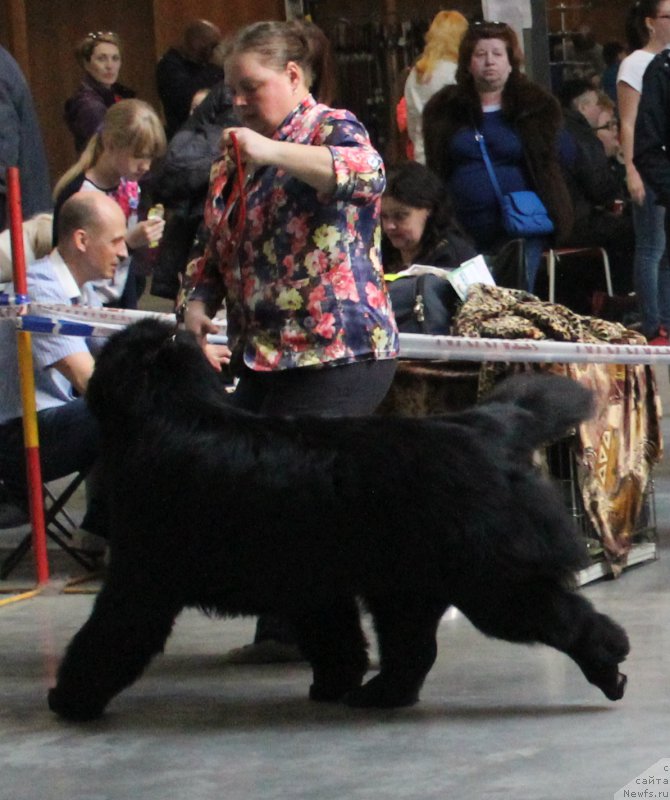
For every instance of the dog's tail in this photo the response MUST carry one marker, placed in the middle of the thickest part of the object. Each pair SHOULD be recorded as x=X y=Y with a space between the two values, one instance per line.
x=547 y=408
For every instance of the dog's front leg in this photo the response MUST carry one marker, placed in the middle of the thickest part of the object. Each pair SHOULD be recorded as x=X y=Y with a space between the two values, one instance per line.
x=127 y=627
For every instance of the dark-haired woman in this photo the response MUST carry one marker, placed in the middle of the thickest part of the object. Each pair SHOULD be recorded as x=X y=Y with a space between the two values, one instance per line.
x=520 y=123
x=418 y=223
x=99 y=55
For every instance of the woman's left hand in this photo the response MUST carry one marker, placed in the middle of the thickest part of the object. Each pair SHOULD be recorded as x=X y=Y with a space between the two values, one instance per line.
x=217 y=354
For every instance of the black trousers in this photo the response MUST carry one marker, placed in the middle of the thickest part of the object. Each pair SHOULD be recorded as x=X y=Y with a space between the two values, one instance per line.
x=348 y=390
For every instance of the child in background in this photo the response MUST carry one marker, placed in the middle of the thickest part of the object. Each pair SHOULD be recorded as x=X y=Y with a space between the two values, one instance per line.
x=116 y=158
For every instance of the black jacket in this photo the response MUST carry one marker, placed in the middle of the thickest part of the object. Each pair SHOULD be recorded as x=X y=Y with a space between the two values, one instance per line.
x=181 y=182
x=652 y=128
x=184 y=171
x=591 y=181
x=177 y=80
x=21 y=142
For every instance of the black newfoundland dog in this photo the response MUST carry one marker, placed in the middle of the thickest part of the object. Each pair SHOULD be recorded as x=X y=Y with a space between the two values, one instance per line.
x=304 y=517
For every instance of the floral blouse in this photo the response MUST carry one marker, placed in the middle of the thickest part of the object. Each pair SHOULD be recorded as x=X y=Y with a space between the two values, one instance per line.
x=305 y=286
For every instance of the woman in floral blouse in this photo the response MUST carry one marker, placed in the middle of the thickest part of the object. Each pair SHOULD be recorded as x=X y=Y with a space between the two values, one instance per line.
x=309 y=319
x=304 y=287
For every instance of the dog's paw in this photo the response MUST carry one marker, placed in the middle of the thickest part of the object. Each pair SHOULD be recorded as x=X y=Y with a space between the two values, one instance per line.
x=600 y=655
x=330 y=688
x=379 y=693
x=326 y=694
x=609 y=680
x=73 y=709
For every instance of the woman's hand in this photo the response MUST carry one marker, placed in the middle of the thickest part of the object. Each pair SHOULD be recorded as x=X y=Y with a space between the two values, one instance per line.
x=255 y=149
x=197 y=321
x=149 y=231
x=312 y=164
x=635 y=186
x=217 y=354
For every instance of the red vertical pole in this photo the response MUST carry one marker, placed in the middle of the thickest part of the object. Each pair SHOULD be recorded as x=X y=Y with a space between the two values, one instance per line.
x=25 y=353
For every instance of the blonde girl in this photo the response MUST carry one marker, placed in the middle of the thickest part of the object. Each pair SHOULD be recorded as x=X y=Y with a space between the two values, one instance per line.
x=114 y=161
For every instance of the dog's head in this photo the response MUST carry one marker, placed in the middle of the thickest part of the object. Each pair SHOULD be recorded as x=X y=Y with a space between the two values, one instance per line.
x=147 y=368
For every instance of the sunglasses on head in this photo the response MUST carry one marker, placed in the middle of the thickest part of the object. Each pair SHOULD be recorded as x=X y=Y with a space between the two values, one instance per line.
x=490 y=23
x=102 y=35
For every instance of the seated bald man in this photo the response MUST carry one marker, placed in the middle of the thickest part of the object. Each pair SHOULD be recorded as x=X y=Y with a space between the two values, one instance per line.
x=91 y=243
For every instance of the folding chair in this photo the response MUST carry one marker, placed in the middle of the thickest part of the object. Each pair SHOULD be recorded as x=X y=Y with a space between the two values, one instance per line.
x=59 y=526
x=568 y=283
x=508 y=265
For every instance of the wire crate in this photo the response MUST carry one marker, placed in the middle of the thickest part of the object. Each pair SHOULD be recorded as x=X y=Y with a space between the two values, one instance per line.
x=562 y=466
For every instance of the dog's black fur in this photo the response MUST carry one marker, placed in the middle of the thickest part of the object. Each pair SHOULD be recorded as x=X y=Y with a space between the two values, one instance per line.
x=243 y=514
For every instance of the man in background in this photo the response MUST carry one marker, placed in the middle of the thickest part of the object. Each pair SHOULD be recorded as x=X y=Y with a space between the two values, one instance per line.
x=21 y=142
x=92 y=229
x=183 y=70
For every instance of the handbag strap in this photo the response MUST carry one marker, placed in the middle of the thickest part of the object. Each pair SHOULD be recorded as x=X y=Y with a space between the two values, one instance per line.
x=489 y=166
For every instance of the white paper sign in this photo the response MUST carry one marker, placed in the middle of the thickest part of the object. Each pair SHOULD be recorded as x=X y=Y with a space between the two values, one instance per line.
x=472 y=271
x=513 y=12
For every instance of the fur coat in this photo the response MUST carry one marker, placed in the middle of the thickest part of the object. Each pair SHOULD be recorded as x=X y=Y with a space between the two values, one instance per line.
x=531 y=110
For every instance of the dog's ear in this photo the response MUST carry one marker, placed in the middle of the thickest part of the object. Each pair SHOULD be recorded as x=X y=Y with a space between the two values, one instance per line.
x=120 y=377
x=148 y=368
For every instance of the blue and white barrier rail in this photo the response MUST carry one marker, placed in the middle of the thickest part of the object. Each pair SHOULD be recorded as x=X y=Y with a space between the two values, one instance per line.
x=101 y=322
x=13 y=299
x=85 y=321
x=462 y=348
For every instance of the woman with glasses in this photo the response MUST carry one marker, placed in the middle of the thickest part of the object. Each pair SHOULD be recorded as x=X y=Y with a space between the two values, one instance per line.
x=648 y=34
x=99 y=55
x=596 y=194
x=519 y=123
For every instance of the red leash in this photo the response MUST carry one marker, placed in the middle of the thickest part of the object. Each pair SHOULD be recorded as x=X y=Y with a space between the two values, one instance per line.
x=234 y=240
x=231 y=244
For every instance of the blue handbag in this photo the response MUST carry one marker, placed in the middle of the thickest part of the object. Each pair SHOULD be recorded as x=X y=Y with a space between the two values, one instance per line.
x=523 y=213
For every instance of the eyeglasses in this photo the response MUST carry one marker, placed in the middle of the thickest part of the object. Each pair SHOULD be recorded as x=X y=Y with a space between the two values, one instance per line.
x=612 y=125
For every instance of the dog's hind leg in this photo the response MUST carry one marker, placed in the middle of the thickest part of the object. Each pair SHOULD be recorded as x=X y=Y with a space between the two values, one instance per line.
x=543 y=611
x=128 y=626
x=406 y=628
x=332 y=640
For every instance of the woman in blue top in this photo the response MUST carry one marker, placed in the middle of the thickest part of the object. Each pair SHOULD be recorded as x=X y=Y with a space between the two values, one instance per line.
x=521 y=124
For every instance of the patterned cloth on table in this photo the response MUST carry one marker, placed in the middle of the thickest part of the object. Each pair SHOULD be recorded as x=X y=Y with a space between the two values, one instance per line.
x=617 y=449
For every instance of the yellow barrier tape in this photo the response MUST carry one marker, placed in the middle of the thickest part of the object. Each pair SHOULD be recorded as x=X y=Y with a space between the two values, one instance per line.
x=18 y=597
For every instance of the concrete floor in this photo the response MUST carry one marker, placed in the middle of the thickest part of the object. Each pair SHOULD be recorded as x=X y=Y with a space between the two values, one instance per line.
x=495 y=720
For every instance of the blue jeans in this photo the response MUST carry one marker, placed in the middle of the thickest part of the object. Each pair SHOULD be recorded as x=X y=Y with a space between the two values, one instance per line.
x=650 y=267
x=534 y=246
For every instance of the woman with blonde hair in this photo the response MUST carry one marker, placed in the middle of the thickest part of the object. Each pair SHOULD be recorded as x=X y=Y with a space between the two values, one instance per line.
x=99 y=55
x=115 y=159
x=435 y=68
